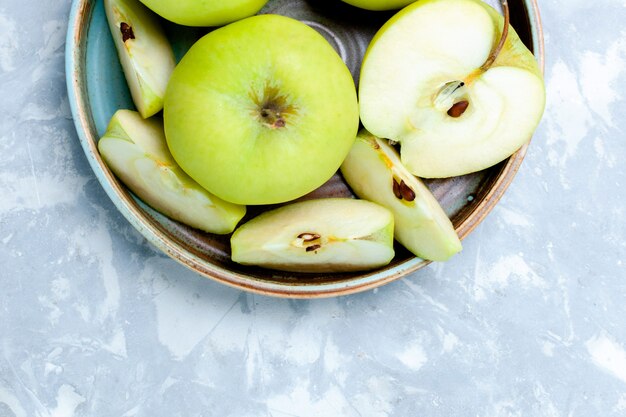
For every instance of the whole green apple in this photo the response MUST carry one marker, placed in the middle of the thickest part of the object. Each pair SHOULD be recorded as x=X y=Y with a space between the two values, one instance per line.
x=379 y=4
x=438 y=79
x=261 y=111
x=204 y=12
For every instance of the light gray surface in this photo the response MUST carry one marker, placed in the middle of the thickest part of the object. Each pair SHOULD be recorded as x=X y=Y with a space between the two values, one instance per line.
x=530 y=320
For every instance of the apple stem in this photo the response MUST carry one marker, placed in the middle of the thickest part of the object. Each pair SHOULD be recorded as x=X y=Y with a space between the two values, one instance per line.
x=505 y=33
x=448 y=95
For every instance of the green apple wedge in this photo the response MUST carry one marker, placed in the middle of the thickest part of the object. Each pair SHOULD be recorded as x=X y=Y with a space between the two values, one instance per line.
x=135 y=150
x=379 y=5
x=452 y=82
x=145 y=53
x=204 y=12
x=261 y=111
x=374 y=172
x=325 y=235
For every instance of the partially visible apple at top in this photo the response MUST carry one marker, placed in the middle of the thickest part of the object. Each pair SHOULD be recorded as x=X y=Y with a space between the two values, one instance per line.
x=378 y=5
x=261 y=111
x=204 y=12
x=429 y=81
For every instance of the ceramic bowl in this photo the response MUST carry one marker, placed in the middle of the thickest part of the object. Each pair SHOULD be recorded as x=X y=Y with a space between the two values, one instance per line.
x=96 y=89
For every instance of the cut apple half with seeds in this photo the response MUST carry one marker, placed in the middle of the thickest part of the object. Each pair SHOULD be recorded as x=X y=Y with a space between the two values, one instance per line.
x=326 y=235
x=145 y=53
x=374 y=172
x=438 y=79
x=135 y=150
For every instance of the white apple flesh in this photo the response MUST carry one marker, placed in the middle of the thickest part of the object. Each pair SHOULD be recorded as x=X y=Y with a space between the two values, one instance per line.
x=145 y=53
x=374 y=172
x=428 y=59
x=327 y=235
x=135 y=150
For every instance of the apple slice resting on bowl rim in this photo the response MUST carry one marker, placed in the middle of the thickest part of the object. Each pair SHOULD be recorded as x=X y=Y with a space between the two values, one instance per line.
x=97 y=89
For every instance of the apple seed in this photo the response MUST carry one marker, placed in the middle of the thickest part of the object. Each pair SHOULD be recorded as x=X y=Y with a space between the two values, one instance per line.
x=407 y=193
x=458 y=109
x=313 y=247
x=127 y=31
x=402 y=191
x=396 y=189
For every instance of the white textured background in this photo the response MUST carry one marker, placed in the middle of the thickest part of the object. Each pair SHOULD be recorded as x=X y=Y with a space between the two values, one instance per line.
x=530 y=320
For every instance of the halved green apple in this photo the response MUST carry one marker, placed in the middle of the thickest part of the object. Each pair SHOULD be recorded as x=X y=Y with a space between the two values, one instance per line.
x=374 y=172
x=326 y=235
x=135 y=150
x=145 y=53
x=436 y=79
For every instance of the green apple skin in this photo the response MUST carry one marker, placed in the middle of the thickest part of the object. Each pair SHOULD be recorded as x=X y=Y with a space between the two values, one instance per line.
x=325 y=235
x=434 y=42
x=379 y=5
x=204 y=12
x=145 y=53
x=261 y=111
x=421 y=225
x=135 y=150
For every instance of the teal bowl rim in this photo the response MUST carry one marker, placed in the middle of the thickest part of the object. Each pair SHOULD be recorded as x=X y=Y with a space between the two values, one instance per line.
x=74 y=62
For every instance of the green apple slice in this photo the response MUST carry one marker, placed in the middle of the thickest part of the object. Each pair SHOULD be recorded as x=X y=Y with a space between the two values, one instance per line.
x=378 y=5
x=145 y=53
x=204 y=12
x=135 y=150
x=374 y=172
x=425 y=83
x=327 y=235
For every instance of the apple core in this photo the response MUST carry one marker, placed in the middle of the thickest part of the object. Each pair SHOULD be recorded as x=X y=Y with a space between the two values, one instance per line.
x=273 y=109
